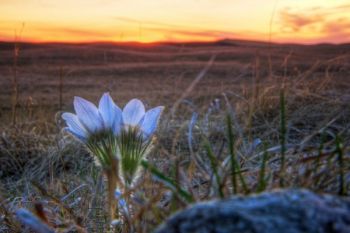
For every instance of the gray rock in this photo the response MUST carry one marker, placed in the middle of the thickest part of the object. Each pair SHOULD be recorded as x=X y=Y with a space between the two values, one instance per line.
x=285 y=211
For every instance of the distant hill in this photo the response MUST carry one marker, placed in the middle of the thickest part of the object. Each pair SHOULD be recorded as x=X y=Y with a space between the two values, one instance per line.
x=6 y=45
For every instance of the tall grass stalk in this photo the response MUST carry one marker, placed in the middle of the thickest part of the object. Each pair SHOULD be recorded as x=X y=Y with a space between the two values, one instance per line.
x=283 y=132
x=262 y=179
x=320 y=151
x=232 y=153
x=15 y=94
x=214 y=167
x=339 y=151
x=235 y=166
x=60 y=90
x=193 y=84
x=242 y=179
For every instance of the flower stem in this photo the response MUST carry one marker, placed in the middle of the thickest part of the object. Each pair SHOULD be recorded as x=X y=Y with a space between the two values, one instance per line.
x=112 y=180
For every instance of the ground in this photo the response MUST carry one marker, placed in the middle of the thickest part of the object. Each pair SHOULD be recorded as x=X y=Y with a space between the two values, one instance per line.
x=260 y=88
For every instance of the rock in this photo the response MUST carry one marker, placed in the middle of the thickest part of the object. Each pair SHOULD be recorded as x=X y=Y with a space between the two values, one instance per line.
x=283 y=211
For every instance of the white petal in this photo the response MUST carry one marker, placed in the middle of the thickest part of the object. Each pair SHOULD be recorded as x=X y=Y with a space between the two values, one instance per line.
x=88 y=114
x=74 y=125
x=118 y=122
x=83 y=139
x=133 y=112
x=150 y=121
x=110 y=112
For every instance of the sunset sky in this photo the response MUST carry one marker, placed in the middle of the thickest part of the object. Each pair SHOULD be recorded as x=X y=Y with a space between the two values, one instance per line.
x=300 y=21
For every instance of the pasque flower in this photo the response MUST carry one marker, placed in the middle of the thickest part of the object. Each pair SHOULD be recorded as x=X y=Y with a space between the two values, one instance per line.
x=120 y=139
x=102 y=128
x=134 y=116
x=135 y=138
x=96 y=127
x=90 y=120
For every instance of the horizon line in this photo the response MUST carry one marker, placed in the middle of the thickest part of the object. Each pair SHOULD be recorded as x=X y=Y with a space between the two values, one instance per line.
x=171 y=42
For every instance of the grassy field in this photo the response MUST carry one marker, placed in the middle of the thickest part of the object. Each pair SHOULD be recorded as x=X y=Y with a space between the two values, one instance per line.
x=282 y=111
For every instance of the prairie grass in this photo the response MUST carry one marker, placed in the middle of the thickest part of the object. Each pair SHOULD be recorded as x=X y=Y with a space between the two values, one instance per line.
x=242 y=128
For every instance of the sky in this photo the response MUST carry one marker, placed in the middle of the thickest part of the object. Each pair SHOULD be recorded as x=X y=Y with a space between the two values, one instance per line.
x=292 y=21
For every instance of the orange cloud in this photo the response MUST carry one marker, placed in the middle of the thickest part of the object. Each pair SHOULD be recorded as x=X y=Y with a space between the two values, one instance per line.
x=42 y=32
x=316 y=24
x=296 y=21
x=74 y=32
x=337 y=30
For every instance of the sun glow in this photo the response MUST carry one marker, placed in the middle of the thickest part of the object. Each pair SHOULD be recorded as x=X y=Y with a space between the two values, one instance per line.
x=192 y=20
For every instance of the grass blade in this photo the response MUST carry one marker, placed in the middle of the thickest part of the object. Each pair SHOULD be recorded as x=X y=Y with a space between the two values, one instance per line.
x=283 y=132
x=339 y=151
x=214 y=166
x=232 y=153
x=235 y=167
x=168 y=182
x=262 y=179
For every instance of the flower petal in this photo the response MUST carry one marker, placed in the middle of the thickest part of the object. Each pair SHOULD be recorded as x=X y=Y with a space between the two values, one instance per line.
x=83 y=139
x=109 y=111
x=150 y=121
x=74 y=125
x=88 y=114
x=133 y=112
x=118 y=122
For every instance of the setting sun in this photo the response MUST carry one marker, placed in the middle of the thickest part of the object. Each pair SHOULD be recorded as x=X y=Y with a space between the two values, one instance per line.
x=193 y=20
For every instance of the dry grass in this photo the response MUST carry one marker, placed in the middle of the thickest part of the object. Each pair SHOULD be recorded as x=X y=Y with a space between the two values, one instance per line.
x=43 y=168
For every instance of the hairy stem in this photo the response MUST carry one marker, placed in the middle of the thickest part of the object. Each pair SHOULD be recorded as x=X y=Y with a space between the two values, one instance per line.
x=112 y=180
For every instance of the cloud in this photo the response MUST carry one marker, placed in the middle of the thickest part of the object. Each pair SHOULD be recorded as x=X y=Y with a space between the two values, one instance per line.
x=296 y=21
x=338 y=26
x=80 y=32
x=51 y=31
x=319 y=24
x=154 y=23
x=175 y=31
x=337 y=30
